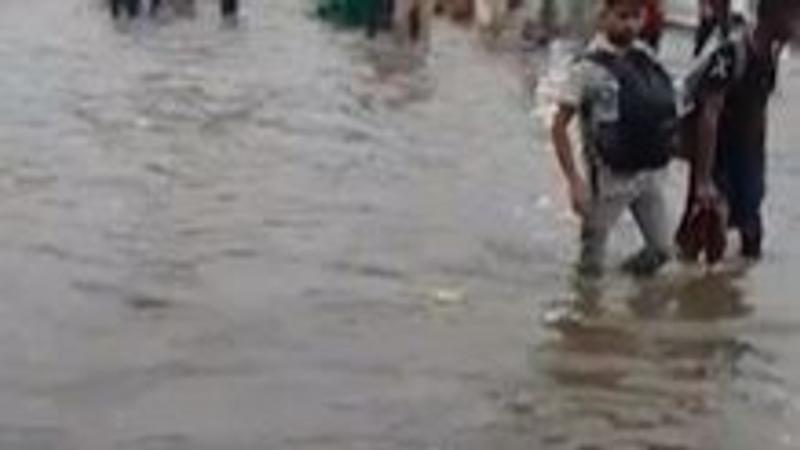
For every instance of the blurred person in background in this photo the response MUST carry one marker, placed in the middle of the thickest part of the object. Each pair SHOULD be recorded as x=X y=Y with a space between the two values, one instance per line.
x=653 y=22
x=129 y=7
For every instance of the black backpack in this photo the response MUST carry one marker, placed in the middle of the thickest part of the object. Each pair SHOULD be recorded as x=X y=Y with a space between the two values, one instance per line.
x=645 y=132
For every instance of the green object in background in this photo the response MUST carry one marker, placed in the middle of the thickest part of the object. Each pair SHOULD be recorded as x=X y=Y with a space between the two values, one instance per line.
x=350 y=13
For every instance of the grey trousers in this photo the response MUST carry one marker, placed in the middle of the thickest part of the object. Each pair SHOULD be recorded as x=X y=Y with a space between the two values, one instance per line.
x=643 y=194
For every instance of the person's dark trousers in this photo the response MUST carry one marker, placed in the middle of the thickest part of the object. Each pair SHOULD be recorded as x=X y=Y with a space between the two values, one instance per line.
x=115 y=8
x=741 y=176
x=130 y=6
x=133 y=7
x=381 y=17
x=155 y=5
x=229 y=7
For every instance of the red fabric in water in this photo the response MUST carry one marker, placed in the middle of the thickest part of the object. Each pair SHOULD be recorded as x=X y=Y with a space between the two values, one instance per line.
x=703 y=230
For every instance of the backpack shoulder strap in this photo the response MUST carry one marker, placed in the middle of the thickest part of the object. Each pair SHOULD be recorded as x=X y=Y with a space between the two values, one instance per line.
x=606 y=60
x=600 y=57
x=645 y=58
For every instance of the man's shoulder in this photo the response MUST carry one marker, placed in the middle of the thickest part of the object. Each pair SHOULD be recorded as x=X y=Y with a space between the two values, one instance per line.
x=593 y=75
x=587 y=79
x=723 y=65
x=589 y=65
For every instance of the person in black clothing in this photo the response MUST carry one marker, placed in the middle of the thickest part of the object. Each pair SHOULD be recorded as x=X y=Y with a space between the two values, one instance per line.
x=732 y=128
x=155 y=5
x=380 y=17
x=229 y=8
x=130 y=7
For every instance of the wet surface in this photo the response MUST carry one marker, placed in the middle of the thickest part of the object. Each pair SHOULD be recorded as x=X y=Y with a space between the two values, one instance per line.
x=274 y=236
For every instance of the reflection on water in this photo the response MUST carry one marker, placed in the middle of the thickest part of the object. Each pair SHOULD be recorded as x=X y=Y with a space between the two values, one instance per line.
x=656 y=364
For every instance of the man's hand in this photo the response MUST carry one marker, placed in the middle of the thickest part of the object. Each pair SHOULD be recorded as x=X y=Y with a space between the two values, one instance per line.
x=579 y=196
x=705 y=193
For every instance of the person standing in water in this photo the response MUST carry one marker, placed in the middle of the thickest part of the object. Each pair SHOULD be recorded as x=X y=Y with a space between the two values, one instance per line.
x=130 y=7
x=729 y=162
x=625 y=102
x=380 y=16
x=229 y=8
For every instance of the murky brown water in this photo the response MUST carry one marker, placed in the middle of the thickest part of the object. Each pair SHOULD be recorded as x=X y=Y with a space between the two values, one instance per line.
x=277 y=237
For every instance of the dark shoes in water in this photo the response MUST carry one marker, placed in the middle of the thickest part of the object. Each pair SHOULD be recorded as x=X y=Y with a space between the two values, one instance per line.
x=645 y=263
x=751 y=242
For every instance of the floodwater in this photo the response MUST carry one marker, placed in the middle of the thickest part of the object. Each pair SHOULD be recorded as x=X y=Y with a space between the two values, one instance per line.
x=275 y=236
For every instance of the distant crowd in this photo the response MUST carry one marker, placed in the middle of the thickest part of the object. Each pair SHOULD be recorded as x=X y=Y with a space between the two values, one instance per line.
x=135 y=8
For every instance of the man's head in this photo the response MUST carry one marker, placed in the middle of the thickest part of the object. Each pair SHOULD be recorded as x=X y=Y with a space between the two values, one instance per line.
x=621 y=20
x=780 y=18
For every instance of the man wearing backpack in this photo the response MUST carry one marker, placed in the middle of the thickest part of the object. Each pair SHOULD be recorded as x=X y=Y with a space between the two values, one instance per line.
x=626 y=106
x=729 y=160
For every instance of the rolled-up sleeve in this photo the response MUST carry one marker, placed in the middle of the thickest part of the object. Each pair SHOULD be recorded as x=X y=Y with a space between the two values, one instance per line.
x=572 y=90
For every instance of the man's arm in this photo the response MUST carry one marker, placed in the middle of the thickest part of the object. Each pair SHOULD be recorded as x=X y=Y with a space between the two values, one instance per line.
x=707 y=131
x=720 y=74
x=578 y=190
